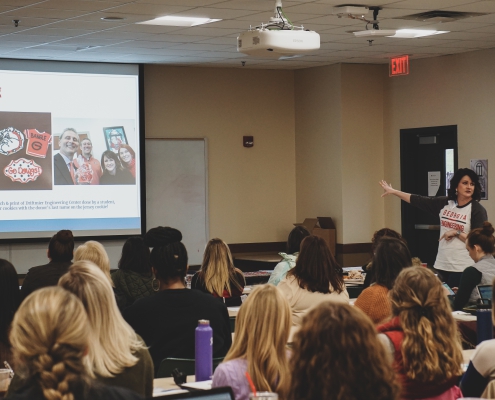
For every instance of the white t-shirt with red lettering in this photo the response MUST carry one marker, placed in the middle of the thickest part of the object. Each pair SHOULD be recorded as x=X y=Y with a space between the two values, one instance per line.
x=452 y=254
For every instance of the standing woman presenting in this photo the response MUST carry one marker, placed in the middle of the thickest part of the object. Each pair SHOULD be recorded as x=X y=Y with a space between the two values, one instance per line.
x=459 y=213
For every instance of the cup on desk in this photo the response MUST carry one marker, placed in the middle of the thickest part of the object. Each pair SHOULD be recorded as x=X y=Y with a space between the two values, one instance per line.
x=263 y=396
x=5 y=378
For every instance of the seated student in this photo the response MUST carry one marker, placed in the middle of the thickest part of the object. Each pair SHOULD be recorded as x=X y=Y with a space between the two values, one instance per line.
x=294 y=240
x=134 y=279
x=218 y=275
x=480 y=243
x=117 y=356
x=368 y=268
x=9 y=302
x=481 y=368
x=337 y=355
x=51 y=337
x=316 y=278
x=423 y=337
x=60 y=253
x=390 y=257
x=167 y=320
x=265 y=314
x=95 y=252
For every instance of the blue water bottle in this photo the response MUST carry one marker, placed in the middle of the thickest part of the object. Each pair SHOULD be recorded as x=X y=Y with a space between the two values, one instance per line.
x=204 y=351
x=484 y=324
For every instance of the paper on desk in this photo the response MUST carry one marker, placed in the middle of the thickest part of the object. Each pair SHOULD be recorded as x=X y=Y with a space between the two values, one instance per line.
x=463 y=316
x=203 y=385
x=158 y=392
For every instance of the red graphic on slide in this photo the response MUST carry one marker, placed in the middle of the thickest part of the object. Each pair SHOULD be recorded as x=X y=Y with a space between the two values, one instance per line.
x=11 y=141
x=85 y=174
x=22 y=170
x=38 y=142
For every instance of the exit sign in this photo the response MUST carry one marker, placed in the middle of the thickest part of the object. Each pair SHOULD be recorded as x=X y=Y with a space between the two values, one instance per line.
x=399 y=66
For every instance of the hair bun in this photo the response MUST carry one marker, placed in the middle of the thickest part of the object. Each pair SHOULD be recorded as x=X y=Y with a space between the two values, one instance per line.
x=65 y=236
x=487 y=229
x=162 y=235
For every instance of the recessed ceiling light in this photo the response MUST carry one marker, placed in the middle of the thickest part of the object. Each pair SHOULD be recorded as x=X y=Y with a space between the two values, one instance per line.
x=416 y=33
x=112 y=19
x=170 y=20
x=375 y=33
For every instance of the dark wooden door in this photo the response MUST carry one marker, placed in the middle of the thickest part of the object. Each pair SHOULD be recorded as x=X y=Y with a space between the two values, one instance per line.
x=425 y=153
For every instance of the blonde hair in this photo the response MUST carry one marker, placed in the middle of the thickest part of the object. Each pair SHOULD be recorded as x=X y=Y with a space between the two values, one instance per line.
x=95 y=252
x=262 y=330
x=431 y=348
x=112 y=340
x=218 y=269
x=50 y=336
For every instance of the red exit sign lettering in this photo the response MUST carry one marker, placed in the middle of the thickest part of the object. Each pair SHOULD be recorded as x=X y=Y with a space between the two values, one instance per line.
x=399 y=66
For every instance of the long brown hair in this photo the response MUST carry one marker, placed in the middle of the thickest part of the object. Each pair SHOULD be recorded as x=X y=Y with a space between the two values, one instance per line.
x=337 y=356
x=217 y=269
x=316 y=269
x=262 y=330
x=482 y=237
x=431 y=348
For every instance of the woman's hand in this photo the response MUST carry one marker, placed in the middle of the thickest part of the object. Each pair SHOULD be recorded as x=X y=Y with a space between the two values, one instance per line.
x=387 y=188
x=449 y=235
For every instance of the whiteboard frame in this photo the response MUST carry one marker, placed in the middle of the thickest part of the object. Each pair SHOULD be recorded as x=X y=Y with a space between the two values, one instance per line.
x=207 y=217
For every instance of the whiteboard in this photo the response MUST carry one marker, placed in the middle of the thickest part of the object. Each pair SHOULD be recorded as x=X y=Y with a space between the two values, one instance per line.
x=177 y=190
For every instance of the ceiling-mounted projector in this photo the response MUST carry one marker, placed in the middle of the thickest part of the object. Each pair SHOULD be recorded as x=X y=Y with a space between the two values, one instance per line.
x=279 y=38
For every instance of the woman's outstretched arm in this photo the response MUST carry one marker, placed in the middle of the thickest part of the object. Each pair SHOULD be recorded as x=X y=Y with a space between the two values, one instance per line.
x=388 y=189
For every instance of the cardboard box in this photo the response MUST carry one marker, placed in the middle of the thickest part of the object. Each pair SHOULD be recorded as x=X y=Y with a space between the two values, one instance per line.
x=322 y=227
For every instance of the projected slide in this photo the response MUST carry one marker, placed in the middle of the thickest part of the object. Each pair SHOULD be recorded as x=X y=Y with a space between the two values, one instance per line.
x=69 y=153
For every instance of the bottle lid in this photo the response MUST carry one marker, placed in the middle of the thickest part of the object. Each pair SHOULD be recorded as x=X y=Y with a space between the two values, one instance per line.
x=203 y=322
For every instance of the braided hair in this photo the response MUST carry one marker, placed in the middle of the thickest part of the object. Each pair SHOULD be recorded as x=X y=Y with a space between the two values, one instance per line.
x=50 y=336
x=169 y=255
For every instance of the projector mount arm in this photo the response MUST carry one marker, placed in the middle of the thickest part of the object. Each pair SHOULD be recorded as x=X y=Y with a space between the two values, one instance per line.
x=279 y=21
x=374 y=21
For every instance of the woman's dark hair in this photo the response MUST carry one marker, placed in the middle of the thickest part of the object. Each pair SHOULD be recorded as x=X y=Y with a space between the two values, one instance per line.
x=316 y=269
x=296 y=236
x=61 y=246
x=483 y=237
x=384 y=232
x=169 y=255
x=10 y=298
x=114 y=157
x=454 y=182
x=135 y=256
x=390 y=258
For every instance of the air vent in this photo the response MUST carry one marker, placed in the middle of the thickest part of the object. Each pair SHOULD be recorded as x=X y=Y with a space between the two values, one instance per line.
x=440 y=16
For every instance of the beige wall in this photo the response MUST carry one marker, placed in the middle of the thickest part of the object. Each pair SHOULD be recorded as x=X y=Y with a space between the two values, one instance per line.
x=362 y=150
x=252 y=194
x=339 y=147
x=319 y=144
x=451 y=90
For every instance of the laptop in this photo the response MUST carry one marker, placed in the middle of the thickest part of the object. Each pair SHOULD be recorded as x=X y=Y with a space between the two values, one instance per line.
x=485 y=292
x=221 y=393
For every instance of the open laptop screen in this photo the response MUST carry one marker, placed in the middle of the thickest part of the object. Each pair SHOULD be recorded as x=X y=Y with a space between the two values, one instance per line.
x=485 y=293
x=222 y=393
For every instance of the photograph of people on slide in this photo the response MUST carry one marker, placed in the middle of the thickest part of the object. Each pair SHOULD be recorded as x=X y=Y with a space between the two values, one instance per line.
x=25 y=151
x=83 y=156
x=115 y=137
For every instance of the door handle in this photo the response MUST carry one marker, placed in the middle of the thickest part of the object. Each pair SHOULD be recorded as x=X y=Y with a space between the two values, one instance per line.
x=427 y=227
